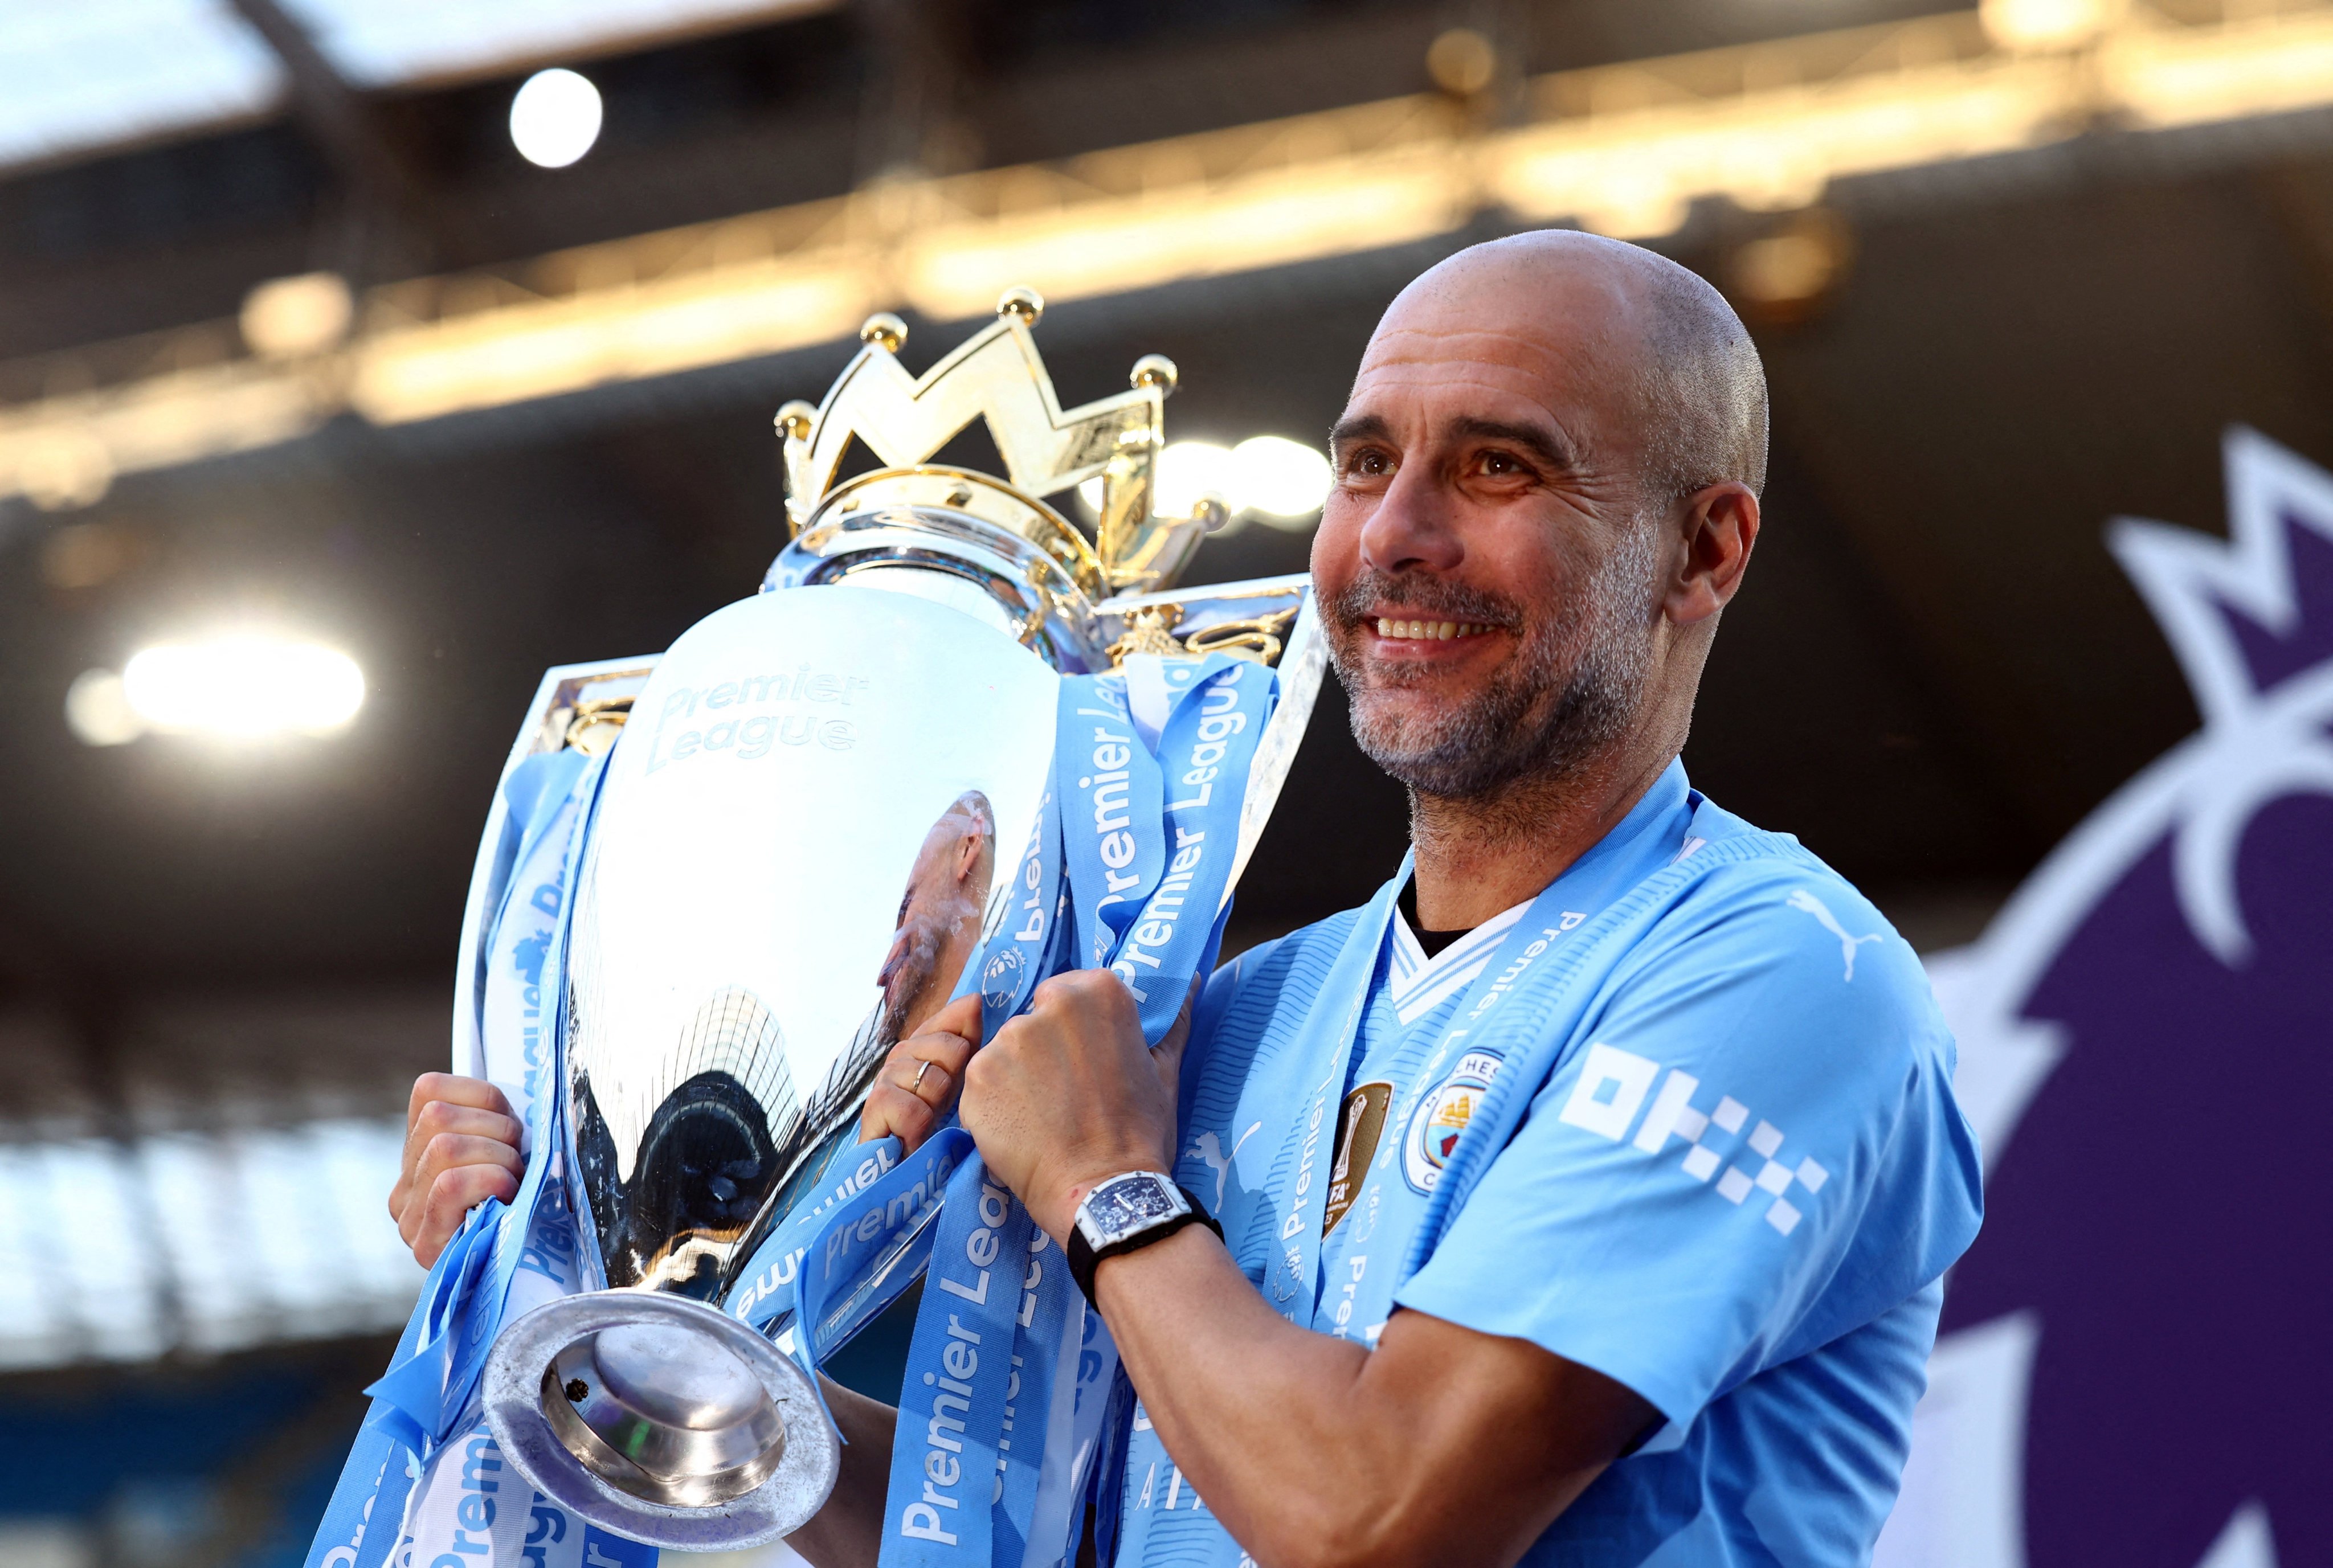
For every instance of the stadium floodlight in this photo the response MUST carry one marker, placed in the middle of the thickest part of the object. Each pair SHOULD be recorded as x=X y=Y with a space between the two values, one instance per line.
x=1189 y=471
x=1282 y=481
x=98 y=711
x=555 y=118
x=286 y=318
x=1271 y=477
x=2050 y=23
x=242 y=685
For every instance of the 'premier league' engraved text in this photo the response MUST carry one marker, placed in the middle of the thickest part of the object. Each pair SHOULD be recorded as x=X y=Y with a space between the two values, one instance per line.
x=710 y=731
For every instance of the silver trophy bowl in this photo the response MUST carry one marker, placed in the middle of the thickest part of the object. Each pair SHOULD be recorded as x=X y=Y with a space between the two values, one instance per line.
x=809 y=806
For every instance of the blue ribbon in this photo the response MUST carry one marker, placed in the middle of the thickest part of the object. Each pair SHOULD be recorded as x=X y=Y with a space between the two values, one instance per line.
x=1021 y=951
x=1216 y=713
x=1128 y=869
x=767 y=1287
x=420 y=1401
x=872 y=1245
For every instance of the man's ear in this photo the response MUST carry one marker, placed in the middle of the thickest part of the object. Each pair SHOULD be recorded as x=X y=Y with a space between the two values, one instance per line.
x=1721 y=526
x=967 y=854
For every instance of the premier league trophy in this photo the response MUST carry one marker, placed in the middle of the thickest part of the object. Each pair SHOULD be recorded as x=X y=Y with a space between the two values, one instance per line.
x=718 y=885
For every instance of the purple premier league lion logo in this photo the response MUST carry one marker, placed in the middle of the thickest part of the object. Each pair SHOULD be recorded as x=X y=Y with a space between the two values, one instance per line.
x=2137 y=1355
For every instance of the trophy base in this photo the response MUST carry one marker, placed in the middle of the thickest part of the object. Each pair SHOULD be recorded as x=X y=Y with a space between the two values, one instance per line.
x=660 y=1420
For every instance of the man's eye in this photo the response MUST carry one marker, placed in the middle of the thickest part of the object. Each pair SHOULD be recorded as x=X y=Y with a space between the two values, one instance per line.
x=1501 y=465
x=1371 y=462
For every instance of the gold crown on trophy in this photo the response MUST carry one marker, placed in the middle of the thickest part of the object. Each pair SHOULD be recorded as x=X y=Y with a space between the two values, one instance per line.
x=998 y=375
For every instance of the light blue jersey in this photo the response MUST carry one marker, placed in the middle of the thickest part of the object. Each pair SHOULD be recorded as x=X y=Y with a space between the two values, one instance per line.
x=1732 y=1184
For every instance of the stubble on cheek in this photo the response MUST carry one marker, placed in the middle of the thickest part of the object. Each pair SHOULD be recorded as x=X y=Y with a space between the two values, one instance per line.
x=1424 y=722
x=1569 y=685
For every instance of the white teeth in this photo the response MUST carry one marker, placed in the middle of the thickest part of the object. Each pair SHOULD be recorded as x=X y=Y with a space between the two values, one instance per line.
x=1428 y=631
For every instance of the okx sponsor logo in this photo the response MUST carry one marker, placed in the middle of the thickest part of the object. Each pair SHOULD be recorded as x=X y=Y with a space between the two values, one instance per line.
x=1615 y=1086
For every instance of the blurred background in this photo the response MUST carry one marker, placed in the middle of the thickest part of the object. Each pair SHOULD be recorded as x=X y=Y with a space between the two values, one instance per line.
x=359 y=359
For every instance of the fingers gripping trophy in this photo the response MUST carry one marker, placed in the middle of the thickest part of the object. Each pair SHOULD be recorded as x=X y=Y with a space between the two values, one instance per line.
x=953 y=745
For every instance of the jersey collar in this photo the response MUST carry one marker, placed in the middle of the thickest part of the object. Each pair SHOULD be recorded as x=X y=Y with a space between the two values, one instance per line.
x=1653 y=833
x=1417 y=984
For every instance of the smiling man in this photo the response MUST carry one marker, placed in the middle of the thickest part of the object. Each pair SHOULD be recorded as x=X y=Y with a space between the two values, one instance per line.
x=1585 y=1198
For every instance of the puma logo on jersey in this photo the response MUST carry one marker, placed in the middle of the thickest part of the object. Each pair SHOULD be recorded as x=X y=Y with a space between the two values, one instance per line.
x=1209 y=1149
x=1808 y=902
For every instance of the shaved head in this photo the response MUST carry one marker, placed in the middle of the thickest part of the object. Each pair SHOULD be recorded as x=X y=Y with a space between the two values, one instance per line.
x=1698 y=387
x=1548 y=475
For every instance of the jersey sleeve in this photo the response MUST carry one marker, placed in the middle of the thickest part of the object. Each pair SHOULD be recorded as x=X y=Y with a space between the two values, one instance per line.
x=1750 y=1148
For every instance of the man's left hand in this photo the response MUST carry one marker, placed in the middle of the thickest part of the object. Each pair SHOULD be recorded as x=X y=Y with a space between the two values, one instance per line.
x=918 y=1080
x=1067 y=1094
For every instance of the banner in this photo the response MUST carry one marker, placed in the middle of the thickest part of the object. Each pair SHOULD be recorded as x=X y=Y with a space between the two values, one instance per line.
x=2134 y=1360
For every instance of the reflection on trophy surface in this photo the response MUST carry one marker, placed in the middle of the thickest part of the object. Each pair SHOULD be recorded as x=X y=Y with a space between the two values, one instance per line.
x=683 y=1154
x=939 y=919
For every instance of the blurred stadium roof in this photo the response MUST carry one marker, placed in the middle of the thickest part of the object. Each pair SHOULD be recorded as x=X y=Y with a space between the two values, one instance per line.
x=2006 y=286
x=101 y=72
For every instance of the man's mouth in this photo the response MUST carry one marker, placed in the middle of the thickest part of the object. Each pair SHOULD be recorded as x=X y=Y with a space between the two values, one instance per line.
x=1393 y=629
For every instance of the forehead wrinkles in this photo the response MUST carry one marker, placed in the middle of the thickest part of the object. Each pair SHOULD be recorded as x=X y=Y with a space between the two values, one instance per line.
x=1507 y=354
x=1578 y=377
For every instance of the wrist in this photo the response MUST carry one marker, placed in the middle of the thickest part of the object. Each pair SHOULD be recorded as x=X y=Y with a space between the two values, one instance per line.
x=1093 y=1174
x=1117 y=1265
x=1124 y=1213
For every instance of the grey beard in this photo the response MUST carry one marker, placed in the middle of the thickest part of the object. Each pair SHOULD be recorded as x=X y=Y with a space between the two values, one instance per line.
x=1572 y=690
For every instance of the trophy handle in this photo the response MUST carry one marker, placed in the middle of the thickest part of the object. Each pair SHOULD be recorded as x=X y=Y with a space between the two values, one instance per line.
x=602 y=690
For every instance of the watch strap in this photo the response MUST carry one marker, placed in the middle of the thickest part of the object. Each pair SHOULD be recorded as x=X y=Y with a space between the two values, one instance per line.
x=1084 y=1257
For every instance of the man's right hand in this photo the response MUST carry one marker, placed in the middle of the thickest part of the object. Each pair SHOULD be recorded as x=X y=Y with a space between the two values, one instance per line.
x=461 y=1148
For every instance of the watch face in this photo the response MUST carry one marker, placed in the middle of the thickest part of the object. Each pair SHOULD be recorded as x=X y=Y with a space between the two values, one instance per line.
x=1128 y=1204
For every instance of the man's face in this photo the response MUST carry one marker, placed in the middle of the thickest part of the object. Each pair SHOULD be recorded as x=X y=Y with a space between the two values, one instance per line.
x=1487 y=581
x=944 y=893
x=927 y=910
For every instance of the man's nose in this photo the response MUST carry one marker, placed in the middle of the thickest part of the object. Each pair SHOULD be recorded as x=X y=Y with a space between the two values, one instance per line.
x=1413 y=526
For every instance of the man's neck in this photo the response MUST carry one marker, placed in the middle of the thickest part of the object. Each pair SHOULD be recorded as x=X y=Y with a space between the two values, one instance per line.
x=1484 y=854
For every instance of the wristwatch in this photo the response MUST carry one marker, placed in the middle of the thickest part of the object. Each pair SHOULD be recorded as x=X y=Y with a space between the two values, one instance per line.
x=1126 y=1211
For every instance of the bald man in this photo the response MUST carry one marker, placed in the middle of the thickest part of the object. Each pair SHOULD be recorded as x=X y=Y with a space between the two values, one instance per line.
x=1584 y=1198
x=1626 y=1246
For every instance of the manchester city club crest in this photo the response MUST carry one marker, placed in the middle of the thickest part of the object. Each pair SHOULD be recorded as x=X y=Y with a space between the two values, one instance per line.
x=1441 y=1118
